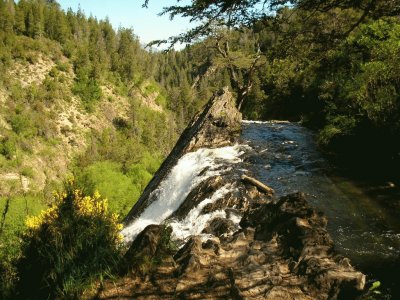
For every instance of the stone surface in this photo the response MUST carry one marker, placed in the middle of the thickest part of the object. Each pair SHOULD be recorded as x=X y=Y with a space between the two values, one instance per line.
x=220 y=226
x=282 y=251
x=204 y=190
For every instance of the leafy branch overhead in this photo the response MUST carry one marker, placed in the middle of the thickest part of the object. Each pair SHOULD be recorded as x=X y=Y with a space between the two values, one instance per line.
x=210 y=14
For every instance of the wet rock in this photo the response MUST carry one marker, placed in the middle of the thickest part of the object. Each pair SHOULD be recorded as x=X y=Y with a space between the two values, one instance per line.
x=152 y=242
x=204 y=190
x=230 y=200
x=147 y=241
x=219 y=226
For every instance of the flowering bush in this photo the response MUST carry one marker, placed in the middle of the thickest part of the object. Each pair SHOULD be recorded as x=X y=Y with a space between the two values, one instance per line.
x=73 y=243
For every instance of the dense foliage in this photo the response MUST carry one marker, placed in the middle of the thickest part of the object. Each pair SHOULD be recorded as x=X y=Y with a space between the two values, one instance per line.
x=237 y=13
x=73 y=95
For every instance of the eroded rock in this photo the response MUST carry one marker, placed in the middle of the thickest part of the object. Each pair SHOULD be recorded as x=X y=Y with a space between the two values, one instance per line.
x=220 y=226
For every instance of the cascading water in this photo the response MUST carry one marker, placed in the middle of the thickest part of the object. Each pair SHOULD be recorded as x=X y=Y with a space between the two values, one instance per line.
x=194 y=222
x=191 y=169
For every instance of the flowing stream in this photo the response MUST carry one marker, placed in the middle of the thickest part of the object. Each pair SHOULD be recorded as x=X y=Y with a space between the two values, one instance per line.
x=365 y=229
x=284 y=156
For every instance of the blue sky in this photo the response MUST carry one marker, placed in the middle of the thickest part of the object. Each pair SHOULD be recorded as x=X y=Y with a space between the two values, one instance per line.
x=129 y=13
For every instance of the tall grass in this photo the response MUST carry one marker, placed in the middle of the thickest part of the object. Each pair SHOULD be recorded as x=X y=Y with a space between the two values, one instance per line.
x=13 y=211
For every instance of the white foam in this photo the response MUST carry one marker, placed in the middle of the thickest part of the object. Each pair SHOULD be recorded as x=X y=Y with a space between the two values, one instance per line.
x=195 y=222
x=266 y=122
x=186 y=175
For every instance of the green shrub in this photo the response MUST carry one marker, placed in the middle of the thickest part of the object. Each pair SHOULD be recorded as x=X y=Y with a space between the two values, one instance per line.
x=108 y=179
x=161 y=100
x=140 y=176
x=62 y=67
x=28 y=172
x=7 y=147
x=150 y=89
x=22 y=124
x=69 y=246
x=9 y=251
x=337 y=127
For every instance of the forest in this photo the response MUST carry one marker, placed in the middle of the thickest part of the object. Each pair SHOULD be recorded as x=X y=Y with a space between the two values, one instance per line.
x=87 y=110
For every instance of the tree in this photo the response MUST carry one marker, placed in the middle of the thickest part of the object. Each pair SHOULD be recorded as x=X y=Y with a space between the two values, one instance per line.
x=7 y=13
x=237 y=13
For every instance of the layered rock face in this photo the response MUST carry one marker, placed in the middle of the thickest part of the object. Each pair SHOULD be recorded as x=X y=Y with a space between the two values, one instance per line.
x=252 y=246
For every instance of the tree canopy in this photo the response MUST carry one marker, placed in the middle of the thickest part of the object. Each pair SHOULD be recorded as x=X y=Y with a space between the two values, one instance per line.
x=210 y=14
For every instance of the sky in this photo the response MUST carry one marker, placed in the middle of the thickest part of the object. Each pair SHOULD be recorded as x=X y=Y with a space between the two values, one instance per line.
x=146 y=24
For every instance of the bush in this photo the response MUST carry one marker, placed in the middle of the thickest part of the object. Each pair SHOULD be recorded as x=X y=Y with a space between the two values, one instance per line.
x=108 y=179
x=7 y=147
x=22 y=124
x=69 y=246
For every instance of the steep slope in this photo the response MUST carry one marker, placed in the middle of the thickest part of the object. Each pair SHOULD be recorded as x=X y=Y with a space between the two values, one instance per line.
x=68 y=125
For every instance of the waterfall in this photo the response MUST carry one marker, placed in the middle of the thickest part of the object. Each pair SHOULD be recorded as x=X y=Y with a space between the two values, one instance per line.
x=191 y=169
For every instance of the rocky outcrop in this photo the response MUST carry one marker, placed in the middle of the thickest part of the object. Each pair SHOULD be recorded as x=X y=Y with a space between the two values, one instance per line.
x=252 y=245
x=217 y=125
x=281 y=251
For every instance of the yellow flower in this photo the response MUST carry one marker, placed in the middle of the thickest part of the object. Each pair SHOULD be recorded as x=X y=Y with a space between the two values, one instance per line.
x=120 y=238
x=96 y=194
x=33 y=222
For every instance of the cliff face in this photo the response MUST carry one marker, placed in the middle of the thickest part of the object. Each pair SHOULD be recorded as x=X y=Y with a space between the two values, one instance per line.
x=251 y=245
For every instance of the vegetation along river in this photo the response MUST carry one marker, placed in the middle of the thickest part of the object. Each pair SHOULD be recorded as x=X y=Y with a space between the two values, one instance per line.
x=361 y=214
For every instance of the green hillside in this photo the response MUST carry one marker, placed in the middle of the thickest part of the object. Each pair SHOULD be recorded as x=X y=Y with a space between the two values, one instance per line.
x=77 y=99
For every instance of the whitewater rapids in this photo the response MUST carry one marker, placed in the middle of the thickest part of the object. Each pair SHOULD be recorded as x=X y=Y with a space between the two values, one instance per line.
x=191 y=169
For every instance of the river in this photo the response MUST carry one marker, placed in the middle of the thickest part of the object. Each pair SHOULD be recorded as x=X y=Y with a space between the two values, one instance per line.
x=362 y=216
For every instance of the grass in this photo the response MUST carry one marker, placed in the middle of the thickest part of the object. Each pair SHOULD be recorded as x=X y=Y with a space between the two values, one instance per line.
x=13 y=211
x=107 y=178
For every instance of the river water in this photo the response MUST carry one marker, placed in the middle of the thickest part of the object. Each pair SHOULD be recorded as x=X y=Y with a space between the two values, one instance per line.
x=363 y=227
